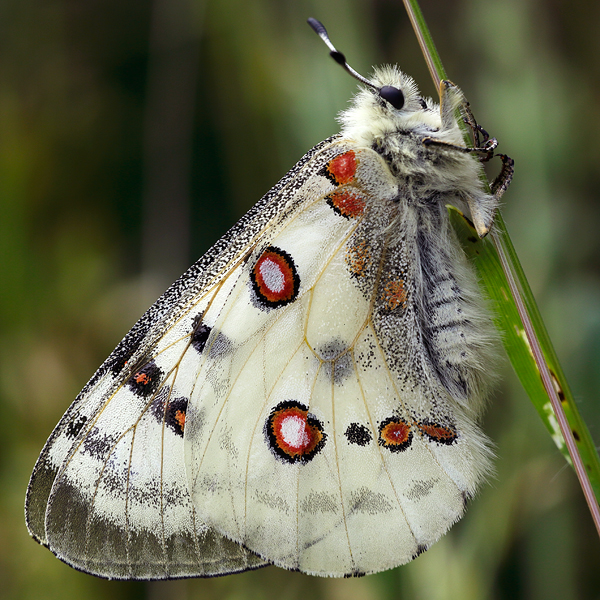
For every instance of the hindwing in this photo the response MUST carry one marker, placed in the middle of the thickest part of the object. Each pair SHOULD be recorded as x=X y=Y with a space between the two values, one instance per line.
x=329 y=416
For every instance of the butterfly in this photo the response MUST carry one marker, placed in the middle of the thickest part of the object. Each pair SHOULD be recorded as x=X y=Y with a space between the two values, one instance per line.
x=308 y=393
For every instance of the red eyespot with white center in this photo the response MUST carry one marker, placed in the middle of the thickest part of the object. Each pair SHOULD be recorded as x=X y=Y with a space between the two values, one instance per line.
x=395 y=434
x=293 y=434
x=275 y=280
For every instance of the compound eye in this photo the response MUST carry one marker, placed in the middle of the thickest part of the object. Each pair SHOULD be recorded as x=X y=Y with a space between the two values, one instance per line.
x=393 y=95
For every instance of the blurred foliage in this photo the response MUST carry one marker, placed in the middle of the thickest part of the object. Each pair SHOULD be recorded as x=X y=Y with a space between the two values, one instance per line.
x=133 y=134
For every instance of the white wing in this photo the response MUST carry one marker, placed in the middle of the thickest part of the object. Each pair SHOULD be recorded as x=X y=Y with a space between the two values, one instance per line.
x=321 y=432
x=305 y=396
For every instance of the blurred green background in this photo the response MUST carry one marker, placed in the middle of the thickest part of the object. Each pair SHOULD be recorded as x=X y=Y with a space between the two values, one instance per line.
x=133 y=134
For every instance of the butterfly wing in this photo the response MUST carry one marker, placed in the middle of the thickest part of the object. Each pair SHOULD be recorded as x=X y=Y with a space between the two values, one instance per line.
x=305 y=396
x=331 y=427
x=108 y=494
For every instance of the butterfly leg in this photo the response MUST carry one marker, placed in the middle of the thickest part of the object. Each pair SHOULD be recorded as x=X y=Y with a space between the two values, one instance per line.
x=488 y=144
x=501 y=183
x=485 y=152
x=452 y=99
x=485 y=143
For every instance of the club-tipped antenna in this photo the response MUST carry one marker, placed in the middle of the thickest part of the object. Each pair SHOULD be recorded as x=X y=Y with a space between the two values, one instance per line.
x=336 y=54
x=388 y=92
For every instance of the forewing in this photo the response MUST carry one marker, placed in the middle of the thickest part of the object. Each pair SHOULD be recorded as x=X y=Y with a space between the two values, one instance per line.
x=109 y=492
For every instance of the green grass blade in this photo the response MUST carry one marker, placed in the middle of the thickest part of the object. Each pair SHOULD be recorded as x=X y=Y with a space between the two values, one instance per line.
x=434 y=62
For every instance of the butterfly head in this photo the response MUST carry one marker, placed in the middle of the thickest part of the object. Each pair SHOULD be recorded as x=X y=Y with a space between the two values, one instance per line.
x=376 y=111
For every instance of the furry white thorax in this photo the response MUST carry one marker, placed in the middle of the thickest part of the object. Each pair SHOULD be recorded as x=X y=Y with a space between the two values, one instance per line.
x=398 y=135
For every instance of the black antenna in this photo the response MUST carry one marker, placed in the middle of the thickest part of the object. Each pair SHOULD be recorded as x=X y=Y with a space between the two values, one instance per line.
x=339 y=58
x=393 y=95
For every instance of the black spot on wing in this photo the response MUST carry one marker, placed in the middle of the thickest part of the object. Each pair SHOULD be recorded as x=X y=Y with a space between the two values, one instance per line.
x=420 y=549
x=358 y=434
x=466 y=496
x=175 y=415
x=146 y=381
x=75 y=426
x=354 y=574
x=170 y=411
x=200 y=337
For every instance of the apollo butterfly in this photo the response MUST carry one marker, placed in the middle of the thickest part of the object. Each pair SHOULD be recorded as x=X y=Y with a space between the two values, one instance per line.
x=307 y=394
